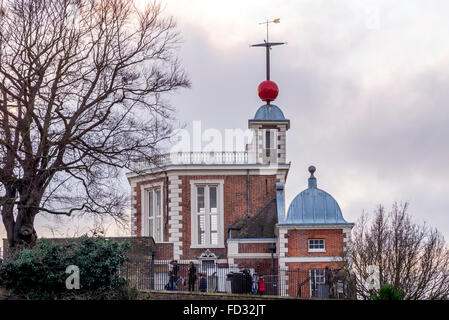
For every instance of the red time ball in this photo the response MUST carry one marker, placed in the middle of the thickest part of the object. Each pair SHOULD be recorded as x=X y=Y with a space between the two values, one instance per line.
x=268 y=90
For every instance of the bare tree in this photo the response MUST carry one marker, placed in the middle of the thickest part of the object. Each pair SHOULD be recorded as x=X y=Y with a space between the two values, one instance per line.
x=410 y=257
x=81 y=96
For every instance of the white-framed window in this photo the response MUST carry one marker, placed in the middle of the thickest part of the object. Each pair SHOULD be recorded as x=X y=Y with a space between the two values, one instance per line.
x=317 y=245
x=154 y=208
x=317 y=277
x=207 y=214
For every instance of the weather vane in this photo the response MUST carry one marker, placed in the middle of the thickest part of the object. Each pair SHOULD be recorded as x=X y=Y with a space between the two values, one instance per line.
x=268 y=45
x=268 y=90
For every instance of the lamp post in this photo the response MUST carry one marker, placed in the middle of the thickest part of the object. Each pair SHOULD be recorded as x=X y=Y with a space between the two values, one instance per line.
x=152 y=270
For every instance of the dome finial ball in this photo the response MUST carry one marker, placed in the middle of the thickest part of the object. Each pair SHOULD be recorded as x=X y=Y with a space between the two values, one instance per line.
x=312 y=170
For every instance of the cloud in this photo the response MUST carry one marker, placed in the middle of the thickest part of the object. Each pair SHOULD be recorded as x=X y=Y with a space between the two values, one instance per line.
x=364 y=84
x=368 y=106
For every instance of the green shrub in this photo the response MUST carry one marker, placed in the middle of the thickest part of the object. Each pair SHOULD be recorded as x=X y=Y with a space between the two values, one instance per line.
x=40 y=273
x=388 y=292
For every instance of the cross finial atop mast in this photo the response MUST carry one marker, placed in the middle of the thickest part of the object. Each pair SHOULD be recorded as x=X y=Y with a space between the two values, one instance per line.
x=268 y=45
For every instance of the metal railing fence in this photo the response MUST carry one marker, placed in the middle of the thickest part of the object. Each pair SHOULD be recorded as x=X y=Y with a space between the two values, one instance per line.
x=158 y=275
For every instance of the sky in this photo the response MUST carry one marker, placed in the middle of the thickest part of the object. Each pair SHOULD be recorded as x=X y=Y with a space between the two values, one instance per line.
x=364 y=84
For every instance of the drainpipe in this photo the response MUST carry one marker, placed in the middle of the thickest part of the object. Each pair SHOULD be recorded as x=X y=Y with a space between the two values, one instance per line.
x=272 y=249
x=166 y=202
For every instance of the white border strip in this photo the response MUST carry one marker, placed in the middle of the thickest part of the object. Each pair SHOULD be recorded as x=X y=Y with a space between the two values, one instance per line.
x=251 y=256
x=312 y=259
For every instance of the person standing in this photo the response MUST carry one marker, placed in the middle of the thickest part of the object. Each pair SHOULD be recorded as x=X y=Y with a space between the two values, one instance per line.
x=192 y=277
x=174 y=277
x=255 y=282
x=261 y=285
x=169 y=285
x=328 y=280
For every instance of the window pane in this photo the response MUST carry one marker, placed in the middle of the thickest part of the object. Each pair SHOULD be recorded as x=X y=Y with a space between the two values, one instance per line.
x=214 y=238
x=150 y=204
x=200 y=200
x=201 y=229
x=316 y=278
x=158 y=236
x=213 y=199
x=267 y=139
x=158 y=203
x=316 y=243
x=213 y=223
x=320 y=276
x=213 y=229
x=273 y=139
x=151 y=234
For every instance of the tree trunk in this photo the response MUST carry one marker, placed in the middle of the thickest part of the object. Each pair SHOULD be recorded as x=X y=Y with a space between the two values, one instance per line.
x=8 y=214
x=21 y=233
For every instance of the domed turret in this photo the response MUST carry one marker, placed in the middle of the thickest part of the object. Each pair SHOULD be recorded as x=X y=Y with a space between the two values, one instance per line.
x=269 y=112
x=314 y=206
x=269 y=135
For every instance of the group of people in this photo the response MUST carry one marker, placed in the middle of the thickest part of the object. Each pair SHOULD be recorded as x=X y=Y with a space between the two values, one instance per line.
x=332 y=278
x=173 y=277
x=175 y=281
x=193 y=278
x=258 y=285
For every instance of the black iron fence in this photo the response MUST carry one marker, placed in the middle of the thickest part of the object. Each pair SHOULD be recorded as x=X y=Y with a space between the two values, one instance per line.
x=161 y=275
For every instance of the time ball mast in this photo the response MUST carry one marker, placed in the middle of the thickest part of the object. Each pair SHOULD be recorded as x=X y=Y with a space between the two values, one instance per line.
x=268 y=90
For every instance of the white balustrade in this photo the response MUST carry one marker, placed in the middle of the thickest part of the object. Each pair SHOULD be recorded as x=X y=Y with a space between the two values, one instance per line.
x=193 y=158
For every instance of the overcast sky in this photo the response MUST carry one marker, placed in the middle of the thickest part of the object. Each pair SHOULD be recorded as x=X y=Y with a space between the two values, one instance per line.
x=364 y=84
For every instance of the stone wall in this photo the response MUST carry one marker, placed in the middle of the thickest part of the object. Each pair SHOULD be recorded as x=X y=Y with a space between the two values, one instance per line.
x=181 y=295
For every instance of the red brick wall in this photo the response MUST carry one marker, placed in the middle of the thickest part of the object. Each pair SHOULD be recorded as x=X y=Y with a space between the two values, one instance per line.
x=261 y=266
x=164 y=251
x=262 y=190
x=254 y=248
x=298 y=242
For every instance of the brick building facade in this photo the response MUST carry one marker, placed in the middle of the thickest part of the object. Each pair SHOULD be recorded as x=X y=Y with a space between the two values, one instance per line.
x=229 y=207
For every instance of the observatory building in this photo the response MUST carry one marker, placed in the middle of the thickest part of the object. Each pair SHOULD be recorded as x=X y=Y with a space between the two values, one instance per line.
x=226 y=210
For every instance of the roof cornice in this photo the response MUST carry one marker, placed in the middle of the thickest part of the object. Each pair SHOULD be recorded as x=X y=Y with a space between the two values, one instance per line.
x=263 y=168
